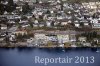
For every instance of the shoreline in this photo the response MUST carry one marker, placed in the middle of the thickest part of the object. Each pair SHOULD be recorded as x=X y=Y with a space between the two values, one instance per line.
x=25 y=44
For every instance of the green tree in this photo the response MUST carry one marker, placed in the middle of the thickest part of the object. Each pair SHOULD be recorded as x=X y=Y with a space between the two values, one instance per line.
x=31 y=24
x=25 y=8
x=24 y=18
x=94 y=34
x=10 y=6
x=2 y=9
x=82 y=24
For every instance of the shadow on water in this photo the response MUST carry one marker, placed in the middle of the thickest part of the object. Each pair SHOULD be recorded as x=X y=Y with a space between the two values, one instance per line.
x=50 y=50
x=27 y=49
x=61 y=50
x=94 y=49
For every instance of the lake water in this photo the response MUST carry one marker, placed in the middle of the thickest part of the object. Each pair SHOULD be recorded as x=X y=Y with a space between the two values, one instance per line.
x=26 y=56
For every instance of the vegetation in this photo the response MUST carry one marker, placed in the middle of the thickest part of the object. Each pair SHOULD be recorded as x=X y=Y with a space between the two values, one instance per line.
x=90 y=35
x=49 y=44
x=26 y=8
x=10 y=7
x=22 y=37
x=80 y=1
x=67 y=44
x=2 y=9
x=79 y=44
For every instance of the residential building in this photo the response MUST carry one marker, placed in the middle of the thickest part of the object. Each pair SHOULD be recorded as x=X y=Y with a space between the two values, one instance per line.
x=63 y=38
x=82 y=39
x=3 y=27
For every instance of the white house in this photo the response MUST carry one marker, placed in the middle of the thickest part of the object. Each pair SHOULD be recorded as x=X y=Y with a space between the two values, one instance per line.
x=30 y=40
x=64 y=23
x=40 y=38
x=20 y=32
x=96 y=25
x=25 y=25
x=52 y=38
x=48 y=23
x=82 y=39
x=12 y=37
x=77 y=24
x=28 y=15
x=1 y=39
x=51 y=11
x=87 y=44
x=63 y=38
x=86 y=23
x=72 y=37
x=25 y=1
x=41 y=24
x=17 y=17
x=23 y=21
x=59 y=17
x=94 y=21
x=36 y=22
x=51 y=18
x=3 y=27
x=11 y=22
x=58 y=1
x=15 y=1
x=35 y=25
x=40 y=13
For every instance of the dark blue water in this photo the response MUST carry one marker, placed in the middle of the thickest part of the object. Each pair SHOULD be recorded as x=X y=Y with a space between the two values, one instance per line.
x=26 y=56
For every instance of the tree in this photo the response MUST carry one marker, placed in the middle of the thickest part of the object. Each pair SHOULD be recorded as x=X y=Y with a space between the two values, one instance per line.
x=25 y=35
x=90 y=35
x=67 y=44
x=52 y=23
x=25 y=8
x=31 y=35
x=2 y=9
x=10 y=2
x=37 y=1
x=94 y=34
x=24 y=18
x=48 y=12
x=49 y=44
x=82 y=24
x=10 y=6
x=31 y=24
x=78 y=1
